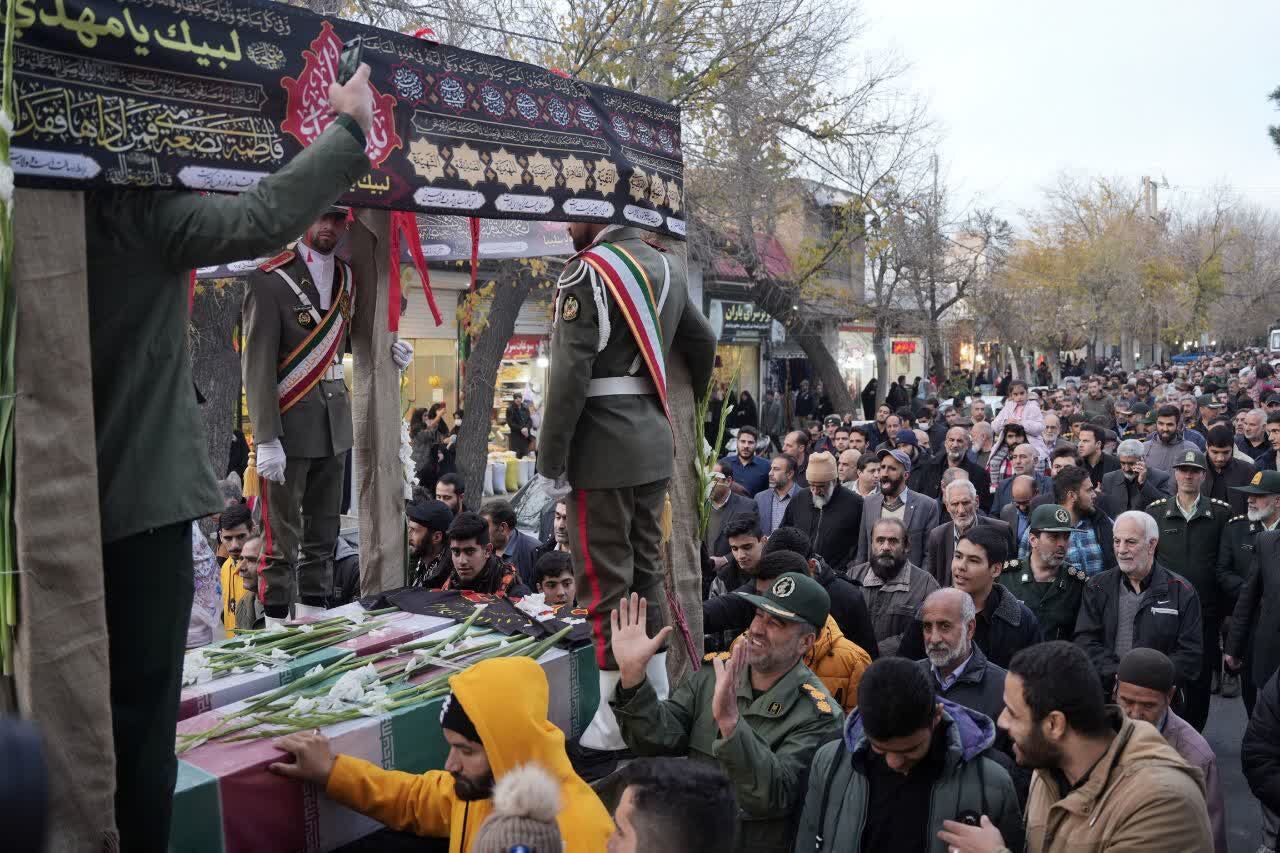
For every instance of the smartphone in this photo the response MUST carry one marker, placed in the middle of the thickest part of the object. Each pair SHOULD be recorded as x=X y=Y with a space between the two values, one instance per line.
x=350 y=58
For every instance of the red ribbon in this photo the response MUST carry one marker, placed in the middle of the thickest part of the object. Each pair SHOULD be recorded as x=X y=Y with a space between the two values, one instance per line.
x=406 y=222
x=266 y=540
x=475 y=249
x=191 y=294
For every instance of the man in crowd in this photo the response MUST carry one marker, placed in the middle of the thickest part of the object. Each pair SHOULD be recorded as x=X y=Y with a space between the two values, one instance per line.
x=145 y=408
x=955 y=454
x=960 y=671
x=847 y=468
x=1191 y=527
x=961 y=501
x=726 y=504
x=1052 y=434
x=892 y=587
x=248 y=609
x=1145 y=686
x=1091 y=438
x=907 y=761
x=1017 y=514
x=516 y=547
x=1097 y=406
x=1134 y=485
x=1140 y=604
x=451 y=490
x=868 y=480
x=553 y=577
x=1253 y=550
x=917 y=512
x=1005 y=625
x=772 y=418
x=1270 y=460
x=674 y=806
x=559 y=540
x=1047 y=581
x=494 y=720
x=858 y=440
x=829 y=515
x=771 y=504
x=1225 y=472
x=1103 y=783
x=978 y=411
x=235 y=526
x=746 y=546
x=796 y=445
x=1090 y=547
x=428 y=523
x=1060 y=458
x=476 y=568
x=759 y=713
x=1260 y=760
x=1253 y=438
x=826 y=442
x=1025 y=463
x=751 y=471
x=1168 y=445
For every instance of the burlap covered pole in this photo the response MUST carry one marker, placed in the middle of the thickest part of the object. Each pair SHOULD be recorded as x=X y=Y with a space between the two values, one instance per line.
x=378 y=484
x=62 y=675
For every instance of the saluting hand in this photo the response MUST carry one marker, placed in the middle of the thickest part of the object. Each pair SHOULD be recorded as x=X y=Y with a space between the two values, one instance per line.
x=724 y=702
x=632 y=647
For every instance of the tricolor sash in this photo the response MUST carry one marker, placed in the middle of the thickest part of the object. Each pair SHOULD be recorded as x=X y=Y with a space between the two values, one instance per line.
x=301 y=369
x=633 y=291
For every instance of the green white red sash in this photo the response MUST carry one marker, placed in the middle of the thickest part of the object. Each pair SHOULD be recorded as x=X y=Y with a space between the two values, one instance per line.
x=301 y=369
x=634 y=293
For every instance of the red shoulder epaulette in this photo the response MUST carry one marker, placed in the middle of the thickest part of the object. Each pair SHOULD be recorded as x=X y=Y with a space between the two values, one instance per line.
x=278 y=261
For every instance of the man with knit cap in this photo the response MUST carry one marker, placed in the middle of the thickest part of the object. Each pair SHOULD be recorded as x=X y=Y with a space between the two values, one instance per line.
x=494 y=721
x=757 y=712
x=829 y=515
x=1145 y=684
x=525 y=805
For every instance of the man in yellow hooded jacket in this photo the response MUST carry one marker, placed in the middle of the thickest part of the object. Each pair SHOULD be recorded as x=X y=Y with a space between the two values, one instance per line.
x=494 y=721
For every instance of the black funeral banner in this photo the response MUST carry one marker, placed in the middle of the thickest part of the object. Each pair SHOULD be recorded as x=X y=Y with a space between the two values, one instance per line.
x=216 y=94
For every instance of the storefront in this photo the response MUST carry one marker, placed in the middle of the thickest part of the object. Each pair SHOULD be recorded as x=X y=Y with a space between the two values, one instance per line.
x=857 y=357
x=741 y=329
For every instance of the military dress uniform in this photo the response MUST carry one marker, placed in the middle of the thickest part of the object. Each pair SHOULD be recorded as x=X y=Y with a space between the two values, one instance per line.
x=1190 y=548
x=1056 y=603
x=282 y=306
x=1240 y=557
x=605 y=424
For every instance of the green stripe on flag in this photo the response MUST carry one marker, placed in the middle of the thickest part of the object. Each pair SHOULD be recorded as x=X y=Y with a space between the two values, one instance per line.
x=197 y=812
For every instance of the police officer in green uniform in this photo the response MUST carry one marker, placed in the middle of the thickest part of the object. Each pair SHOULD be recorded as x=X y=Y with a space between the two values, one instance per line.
x=622 y=307
x=296 y=324
x=141 y=248
x=1236 y=556
x=1045 y=581
x=758 y=712
x=1191 y=528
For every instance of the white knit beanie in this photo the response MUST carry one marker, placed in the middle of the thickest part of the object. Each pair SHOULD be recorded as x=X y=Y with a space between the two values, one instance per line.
x=525 y=804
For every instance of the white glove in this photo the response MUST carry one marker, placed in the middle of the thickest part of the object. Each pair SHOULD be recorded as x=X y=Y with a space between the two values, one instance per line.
x=271 y=460
x=401 y=354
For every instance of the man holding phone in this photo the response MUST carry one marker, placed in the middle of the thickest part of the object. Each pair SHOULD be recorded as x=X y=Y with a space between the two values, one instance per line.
x=146 y=413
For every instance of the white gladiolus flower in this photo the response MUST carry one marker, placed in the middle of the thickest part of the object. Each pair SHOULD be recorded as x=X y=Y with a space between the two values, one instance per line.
x=306 y=629
x=356 y=618
x=262 y=667
x=280 y=654
x=315 y=670
x=347 y=688
x=6 y=123
x=6 y=184
x=276 y=628
x=237 y=670
x=368 y=674
x=304 y=705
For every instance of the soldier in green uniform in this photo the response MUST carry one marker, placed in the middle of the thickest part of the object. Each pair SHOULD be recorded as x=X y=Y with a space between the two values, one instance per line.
x=1045 y=581
x=622 y=306
x=141 y=247
x=1236 y=557
x=759 y=712
x=1191 y=528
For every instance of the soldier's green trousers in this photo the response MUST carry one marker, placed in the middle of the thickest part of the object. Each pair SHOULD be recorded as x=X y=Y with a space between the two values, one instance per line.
x=303 y=510
x=615 y=536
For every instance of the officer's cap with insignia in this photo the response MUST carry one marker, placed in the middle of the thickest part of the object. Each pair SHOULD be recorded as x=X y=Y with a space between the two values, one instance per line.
x=1050 y=518
x=335 y=210
x=1191 y=459
x=794 y=597
x=1262 y=483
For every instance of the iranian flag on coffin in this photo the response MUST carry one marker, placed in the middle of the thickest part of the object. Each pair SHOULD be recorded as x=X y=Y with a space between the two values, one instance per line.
x=227 y=801
x=400 y=628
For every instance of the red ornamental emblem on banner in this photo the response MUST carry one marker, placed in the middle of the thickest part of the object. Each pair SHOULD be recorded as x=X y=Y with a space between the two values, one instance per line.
x=307 y=112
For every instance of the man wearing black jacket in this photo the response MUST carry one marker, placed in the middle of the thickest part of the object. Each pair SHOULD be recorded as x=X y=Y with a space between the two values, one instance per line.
x=955 y=454
x=1225 y=471
x=733 y=613
x=828 y=514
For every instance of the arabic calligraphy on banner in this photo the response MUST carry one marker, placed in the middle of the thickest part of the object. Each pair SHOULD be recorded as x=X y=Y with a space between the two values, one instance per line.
x=217 y=94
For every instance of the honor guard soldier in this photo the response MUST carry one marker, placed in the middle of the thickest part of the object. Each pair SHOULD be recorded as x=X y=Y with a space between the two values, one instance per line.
x=296 y=321
x=1257 y=569
x=1191 y=528
x=622 y=306
x=1045 y=581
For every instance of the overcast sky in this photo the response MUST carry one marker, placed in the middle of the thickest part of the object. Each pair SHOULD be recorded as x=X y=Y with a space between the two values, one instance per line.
x=1022 y=90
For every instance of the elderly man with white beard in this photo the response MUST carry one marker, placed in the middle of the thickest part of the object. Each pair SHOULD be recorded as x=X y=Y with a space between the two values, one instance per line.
x=1139 y=604
x=960 y=671
x=829 y=515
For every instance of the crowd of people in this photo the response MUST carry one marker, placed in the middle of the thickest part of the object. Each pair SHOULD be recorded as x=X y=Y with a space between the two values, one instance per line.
x=973 y=625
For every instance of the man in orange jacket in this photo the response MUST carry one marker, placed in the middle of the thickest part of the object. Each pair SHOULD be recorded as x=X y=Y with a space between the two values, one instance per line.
x=494 y=721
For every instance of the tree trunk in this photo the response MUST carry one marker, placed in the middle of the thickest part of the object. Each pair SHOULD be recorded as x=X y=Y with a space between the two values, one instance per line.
x=880 y=343
x=215 y=364
x=1051 y=359
x=1126 y=350
x=1018 y=369
x=828 y=371
x=514 y=286
x=937 y=353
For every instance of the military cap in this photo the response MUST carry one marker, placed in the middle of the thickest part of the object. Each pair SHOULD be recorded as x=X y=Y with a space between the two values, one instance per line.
x=336 y=210
x=1191 y=459
x=1208 y=401
x=794 y=597
x=1139 y=408
x=1271 y=398
x=832 y=420
x=1262 y=483
x=1050 y=518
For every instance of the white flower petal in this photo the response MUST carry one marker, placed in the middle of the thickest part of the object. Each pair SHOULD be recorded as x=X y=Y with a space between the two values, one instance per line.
x=262 y=667
x=315 y=670
x=306 y=629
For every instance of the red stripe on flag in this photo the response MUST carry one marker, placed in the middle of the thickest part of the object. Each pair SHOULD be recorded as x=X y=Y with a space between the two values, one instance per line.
x=593 y=580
